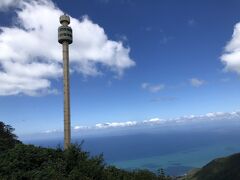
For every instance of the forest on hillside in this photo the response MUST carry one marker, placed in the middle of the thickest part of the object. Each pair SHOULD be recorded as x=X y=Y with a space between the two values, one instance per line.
x=19 y=161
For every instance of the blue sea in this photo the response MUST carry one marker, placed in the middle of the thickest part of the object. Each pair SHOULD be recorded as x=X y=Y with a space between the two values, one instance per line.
x=175 y=151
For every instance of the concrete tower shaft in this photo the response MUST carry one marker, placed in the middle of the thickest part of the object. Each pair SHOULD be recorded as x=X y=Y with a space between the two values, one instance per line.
x=65 y=38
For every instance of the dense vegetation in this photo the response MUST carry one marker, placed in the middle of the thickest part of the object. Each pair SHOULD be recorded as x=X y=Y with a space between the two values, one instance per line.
x=19 y=161
x=227 y=168
x=26 y=162
x=7 y=139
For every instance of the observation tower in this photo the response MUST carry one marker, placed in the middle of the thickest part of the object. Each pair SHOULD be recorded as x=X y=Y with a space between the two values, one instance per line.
x=65 y=38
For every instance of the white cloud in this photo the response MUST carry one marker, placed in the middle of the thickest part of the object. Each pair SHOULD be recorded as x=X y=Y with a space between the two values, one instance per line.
x=144 y=85
x=5 y=4
x=31 y=56
x=153 y=88
x=196 y=82
x=50 y=131
x=231 y=55
x=80 y=127
x=116 y=124
x=154 y=121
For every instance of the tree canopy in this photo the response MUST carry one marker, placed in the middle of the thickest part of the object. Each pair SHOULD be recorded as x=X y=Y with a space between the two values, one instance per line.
x=7 y=138
x=25 y=162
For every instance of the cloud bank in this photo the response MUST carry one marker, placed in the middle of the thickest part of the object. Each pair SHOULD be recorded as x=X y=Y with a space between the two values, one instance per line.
x=30 y=55
x=209 y=117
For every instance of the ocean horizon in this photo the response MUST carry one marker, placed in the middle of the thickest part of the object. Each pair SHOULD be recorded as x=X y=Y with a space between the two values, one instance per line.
x=177 y=152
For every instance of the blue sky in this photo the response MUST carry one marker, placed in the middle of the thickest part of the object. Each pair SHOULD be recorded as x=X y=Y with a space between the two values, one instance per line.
x=162 y=59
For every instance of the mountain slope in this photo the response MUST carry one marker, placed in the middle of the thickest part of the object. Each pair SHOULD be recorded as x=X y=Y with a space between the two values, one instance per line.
x=227 y=168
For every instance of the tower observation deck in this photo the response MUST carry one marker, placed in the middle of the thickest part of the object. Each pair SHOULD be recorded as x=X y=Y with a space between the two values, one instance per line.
x=64 y=31
x=65 y=38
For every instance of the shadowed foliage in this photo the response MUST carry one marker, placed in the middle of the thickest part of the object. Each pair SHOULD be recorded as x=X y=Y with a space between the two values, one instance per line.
x=220 y=169
x=7 y=138
x=26 y=162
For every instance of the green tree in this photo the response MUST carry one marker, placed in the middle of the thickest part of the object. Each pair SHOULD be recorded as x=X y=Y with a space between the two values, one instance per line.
x=27 y=162
x=7 y=139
